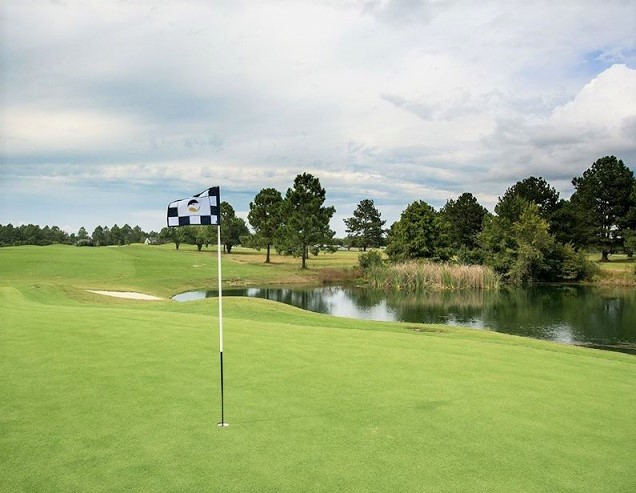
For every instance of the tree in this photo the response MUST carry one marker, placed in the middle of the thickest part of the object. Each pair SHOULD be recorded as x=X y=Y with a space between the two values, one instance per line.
x=232 y=227
x=57 y=235
x=603 y=198
x=138 y=236
x=533 y=190
x=415 y=235
x=176 y=235
x=116 y=237
x=126 y=235
x=98 y=236
x=305 y=220
x=365 y=227
x=524 y=250
x=265 y=217
x=7 y=235
x=106 y=236
x=82 y=238
x=461 y=221
x=200 y=235
x=533 y=243
x=82 y=234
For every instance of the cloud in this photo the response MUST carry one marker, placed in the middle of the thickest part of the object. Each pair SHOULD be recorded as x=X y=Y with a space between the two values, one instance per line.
x=401 y=12
x=422 y=110
x=394 y=100
x=596 y=122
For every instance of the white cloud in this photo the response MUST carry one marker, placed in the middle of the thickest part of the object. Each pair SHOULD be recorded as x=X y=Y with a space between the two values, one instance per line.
x=30 y=129
x=604 y=103
x=575 y=134
x=396 y=100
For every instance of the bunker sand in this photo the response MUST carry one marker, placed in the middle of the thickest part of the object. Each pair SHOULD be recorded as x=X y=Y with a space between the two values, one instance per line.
x=127 y=294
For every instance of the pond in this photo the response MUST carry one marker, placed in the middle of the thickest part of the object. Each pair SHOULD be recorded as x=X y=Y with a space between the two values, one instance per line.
x=567 y=314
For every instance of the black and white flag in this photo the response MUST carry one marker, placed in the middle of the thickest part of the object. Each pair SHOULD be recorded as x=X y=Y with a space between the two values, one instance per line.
x=200 y=210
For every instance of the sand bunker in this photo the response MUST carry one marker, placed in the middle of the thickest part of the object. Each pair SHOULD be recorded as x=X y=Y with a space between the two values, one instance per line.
x=131 y=295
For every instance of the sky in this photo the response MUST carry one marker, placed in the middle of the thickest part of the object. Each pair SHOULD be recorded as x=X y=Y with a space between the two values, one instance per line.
x=109 y=110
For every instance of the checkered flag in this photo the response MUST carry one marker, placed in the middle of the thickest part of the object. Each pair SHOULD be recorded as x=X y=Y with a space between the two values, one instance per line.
x=200 y=210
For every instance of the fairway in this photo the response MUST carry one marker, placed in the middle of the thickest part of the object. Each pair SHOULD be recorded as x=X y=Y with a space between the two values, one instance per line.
x=106 y=394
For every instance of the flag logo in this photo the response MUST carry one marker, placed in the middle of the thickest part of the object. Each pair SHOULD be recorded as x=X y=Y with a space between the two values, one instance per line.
x=202 y=209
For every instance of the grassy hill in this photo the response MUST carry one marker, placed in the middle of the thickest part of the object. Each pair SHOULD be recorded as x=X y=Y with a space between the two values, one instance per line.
x=104 y=394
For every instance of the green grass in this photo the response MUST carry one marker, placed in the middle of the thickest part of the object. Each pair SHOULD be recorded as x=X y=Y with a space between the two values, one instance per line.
x=619 y=271
x=101 y=394
x=158 y=270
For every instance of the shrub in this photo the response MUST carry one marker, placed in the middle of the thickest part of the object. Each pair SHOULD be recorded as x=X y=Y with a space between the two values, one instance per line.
x=370 y=259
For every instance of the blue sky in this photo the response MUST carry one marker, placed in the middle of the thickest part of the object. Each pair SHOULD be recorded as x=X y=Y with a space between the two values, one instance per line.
x=111 y=110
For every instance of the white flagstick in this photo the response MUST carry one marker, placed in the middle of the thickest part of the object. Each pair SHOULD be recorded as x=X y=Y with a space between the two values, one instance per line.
x=218 y=256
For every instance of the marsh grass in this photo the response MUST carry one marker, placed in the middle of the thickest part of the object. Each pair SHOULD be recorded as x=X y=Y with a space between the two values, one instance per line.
x=414 y=276
x=615 y=277
x=619 y=271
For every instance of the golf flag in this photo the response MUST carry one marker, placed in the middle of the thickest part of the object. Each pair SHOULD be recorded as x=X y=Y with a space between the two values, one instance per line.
x=202 y=209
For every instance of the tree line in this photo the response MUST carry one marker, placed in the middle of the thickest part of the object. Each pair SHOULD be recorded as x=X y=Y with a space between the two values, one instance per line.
x=532 y=235
x=32 y=234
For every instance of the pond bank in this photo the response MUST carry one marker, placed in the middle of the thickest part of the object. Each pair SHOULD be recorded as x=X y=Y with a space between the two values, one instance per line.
x=577 y=315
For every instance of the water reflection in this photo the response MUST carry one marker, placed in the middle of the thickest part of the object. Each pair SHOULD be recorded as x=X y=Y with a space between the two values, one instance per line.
x=568 y=314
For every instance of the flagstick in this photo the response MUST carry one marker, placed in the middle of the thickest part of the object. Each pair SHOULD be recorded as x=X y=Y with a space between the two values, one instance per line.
x=218 y=257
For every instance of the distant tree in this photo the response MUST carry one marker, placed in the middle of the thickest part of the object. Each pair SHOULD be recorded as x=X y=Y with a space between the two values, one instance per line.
x=98 y=236
x=7 y=235
x=348 y=243
x=82 y=234
x=138 y=236
x=175 y=235
x=82 y=238
x=116 y=237
x=365 y=226
x=31 y=235
x=265 y=217
x=461 y=221
x=58 y=235
x=305 y=220
x=198 y=235
x=126 y=235
x=415 y=235
x=603 y=199
x=107 y=236
x=232 y=227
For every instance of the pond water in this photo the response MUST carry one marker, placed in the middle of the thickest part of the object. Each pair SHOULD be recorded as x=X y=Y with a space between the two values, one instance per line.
x=567 y=314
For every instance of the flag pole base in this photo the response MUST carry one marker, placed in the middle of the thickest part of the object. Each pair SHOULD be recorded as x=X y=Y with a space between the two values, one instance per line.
x=223 y=425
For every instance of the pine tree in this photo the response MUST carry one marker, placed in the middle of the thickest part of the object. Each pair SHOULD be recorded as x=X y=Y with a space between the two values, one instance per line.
x=365 y=227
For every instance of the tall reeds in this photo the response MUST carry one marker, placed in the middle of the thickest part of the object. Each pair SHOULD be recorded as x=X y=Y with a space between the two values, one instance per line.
x=414 y=276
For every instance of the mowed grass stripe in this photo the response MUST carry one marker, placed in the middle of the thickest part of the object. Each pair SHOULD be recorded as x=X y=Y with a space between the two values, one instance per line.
x=120 y=397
